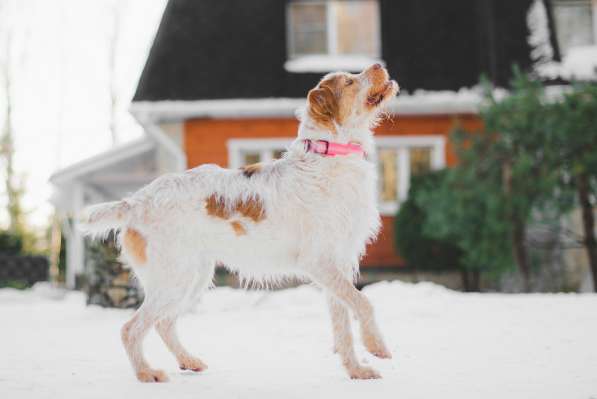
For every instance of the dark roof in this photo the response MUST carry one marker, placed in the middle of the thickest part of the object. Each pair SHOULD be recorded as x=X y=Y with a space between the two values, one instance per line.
x=215 y=49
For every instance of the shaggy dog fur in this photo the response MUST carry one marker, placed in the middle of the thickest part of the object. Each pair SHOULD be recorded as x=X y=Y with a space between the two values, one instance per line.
x=305 y=215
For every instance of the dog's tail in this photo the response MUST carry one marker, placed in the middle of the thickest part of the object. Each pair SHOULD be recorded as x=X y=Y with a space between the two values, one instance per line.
x=100 y=219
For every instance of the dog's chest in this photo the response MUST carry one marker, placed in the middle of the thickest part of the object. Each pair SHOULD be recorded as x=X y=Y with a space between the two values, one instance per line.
x=344 y=199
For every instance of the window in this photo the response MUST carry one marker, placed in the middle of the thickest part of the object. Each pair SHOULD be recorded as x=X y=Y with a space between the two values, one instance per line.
x=243 y=152
x=399 y=158
x=325 y=35
x=574 y=23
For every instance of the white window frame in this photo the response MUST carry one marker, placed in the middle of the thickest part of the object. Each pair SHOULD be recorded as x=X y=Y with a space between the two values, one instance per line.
x=593 y=4
x=402 y=144
x=326 y=62
x=267 y=146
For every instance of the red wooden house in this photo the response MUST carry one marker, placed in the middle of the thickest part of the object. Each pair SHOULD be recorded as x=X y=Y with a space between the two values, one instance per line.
x=223 y=81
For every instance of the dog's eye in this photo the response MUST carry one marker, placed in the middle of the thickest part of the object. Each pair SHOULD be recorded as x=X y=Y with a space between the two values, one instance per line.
x=349 y=82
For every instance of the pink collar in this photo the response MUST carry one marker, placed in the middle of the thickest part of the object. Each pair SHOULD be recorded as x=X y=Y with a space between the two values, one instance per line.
x=331 y=149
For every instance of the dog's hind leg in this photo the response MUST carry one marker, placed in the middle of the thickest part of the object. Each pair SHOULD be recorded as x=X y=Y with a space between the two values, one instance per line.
x=204 y=280
x=133 y=332
x=342 y=290
x=166 y=327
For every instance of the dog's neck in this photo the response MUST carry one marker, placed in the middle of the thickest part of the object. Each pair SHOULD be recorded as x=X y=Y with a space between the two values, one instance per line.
x=342 y=134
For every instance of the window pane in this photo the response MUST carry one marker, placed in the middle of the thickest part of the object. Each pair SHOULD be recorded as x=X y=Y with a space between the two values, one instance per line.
x=420 y=160
x=574 y=23
x=308 y=33
x=388 y=164
x=357 y=27
x=250 y=158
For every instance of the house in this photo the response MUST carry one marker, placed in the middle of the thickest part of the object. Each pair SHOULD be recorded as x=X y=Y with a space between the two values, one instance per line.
x=223 y=81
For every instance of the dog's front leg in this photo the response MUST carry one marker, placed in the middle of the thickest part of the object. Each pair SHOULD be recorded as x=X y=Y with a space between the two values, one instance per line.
x=343 y=341
x=344 y=295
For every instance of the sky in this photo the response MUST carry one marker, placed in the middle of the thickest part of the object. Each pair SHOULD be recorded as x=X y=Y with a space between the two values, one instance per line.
x=60 y=68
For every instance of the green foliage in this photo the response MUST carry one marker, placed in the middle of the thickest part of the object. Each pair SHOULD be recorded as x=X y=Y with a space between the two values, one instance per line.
x=466 y=211
x=573 y=123
x=574 y=129
x=10 y=243
x=523 y=168
x=17 y=284
x=505 y=178
x=418 y=250
x=523 y=148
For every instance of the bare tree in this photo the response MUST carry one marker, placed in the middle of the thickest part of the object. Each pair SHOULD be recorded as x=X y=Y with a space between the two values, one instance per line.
x=14 y=189
x=116 y=8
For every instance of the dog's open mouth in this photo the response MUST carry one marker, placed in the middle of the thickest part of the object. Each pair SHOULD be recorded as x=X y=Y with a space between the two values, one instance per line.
x=376 y=97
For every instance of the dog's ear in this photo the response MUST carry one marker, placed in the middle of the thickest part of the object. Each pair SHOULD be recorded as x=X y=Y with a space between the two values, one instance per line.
x=323 y=105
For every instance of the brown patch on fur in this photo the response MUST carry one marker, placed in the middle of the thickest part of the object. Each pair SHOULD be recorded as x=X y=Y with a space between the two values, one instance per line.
x=333 y=99
x=323 y=104
x=216 y=206
x=252 y=208
x=250 y=170
x=136 y=245
x=238 y=228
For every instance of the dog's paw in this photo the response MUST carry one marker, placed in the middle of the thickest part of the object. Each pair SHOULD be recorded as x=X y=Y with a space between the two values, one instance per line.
x=363 y=373
x=191 y=363
x=376 y=347
x=381 y=352
x=151 y=375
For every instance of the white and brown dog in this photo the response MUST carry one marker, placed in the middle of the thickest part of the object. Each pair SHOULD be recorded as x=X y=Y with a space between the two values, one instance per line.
x=308 y=215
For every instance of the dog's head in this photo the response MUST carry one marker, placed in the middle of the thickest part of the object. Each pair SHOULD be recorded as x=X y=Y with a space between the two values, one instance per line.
x=346 y=100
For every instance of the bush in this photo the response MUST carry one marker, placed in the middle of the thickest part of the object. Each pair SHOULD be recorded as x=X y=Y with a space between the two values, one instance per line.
x=10 y=243
x=418 y=250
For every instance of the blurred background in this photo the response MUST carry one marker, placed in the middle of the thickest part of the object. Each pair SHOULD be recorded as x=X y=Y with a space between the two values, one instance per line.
x=487 y=160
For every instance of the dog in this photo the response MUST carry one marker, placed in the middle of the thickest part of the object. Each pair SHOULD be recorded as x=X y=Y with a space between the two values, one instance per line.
x=308 y=215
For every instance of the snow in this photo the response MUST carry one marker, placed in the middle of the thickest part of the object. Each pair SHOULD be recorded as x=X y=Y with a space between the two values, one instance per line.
x=446 y=102
x=168 y=110
x=278 y=345
x=538 y=39
x=579 y=64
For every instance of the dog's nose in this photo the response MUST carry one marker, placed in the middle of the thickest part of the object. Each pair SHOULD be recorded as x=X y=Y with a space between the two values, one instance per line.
x=376 y=66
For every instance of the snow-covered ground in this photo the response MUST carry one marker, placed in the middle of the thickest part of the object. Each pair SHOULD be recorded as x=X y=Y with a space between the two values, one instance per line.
x=278 y=345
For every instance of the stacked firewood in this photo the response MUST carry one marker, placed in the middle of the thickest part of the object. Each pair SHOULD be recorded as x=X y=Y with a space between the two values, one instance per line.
x=108 y=282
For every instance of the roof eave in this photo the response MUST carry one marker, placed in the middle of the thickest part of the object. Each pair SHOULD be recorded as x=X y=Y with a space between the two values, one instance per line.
x=104 y=159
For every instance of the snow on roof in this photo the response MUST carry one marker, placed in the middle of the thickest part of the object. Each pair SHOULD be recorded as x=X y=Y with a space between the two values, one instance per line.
x=464 y=101
x=423 y=102
x=579 y=64
x=102 y=160
x=169 y=110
